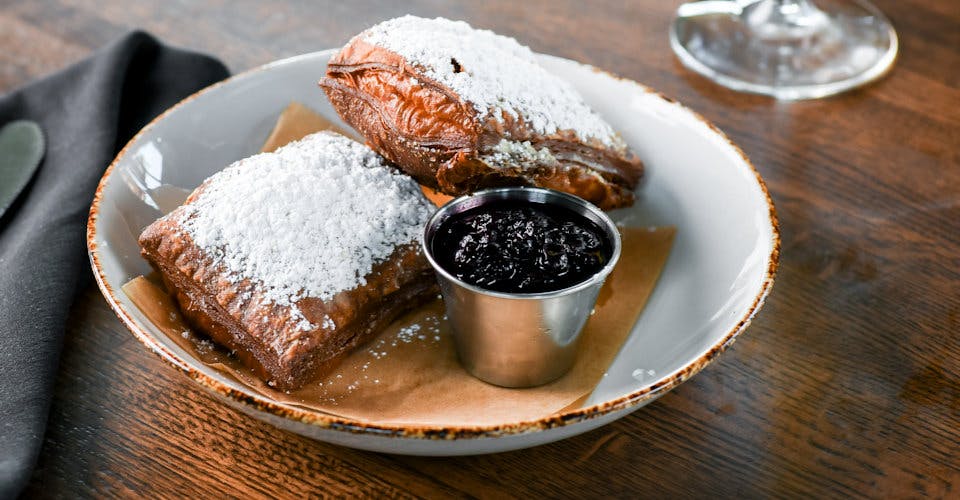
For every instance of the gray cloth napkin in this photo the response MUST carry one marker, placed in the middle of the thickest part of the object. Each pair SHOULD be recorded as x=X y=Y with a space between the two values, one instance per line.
x=87 y=112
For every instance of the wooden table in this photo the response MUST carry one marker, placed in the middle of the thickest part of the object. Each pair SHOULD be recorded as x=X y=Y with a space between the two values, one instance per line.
x=848 y=382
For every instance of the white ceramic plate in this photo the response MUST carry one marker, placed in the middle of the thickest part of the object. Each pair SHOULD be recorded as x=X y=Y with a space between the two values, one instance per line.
x=714 y=282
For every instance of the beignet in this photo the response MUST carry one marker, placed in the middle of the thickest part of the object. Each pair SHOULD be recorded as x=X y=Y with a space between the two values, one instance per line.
x=461 y=109
x=293 y=258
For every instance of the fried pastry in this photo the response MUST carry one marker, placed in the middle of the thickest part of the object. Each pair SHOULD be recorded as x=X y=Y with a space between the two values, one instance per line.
x=293 y=258
x=461 y=109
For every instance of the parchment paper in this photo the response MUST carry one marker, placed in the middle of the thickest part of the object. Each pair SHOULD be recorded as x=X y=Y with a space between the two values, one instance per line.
x=410 y=374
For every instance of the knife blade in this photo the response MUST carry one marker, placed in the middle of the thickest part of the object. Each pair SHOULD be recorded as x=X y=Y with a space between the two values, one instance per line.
x=22 y=147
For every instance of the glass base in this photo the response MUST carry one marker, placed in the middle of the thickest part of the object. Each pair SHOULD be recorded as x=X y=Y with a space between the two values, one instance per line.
x=788 y=50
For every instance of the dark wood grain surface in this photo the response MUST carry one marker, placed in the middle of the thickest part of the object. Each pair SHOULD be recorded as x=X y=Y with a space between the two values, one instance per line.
x=847 y=384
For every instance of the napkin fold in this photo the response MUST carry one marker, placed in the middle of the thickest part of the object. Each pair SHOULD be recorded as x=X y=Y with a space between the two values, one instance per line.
x=87 y=112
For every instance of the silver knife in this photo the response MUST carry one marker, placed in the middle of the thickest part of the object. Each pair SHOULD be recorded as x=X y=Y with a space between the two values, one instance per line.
x=21 y=149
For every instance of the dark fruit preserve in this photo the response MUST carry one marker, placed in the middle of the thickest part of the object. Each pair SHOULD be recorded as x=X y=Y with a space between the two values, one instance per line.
x=521 y=247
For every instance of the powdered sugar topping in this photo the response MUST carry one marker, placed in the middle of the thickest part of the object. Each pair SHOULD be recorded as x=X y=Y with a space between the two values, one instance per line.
x=508 y=152
x=492 y=72
x=309 y=220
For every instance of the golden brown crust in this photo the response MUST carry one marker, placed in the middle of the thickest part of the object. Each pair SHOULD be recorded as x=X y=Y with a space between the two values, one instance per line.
x=264 y=335
x=437 y=138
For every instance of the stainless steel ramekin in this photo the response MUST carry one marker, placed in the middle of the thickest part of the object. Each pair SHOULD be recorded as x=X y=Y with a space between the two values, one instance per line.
x=519 y=339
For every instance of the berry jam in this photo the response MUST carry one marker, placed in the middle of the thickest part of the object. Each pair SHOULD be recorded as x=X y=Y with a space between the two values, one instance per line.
x=521 y=247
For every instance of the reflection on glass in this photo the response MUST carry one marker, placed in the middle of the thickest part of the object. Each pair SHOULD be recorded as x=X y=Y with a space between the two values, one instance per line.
x=789 y=49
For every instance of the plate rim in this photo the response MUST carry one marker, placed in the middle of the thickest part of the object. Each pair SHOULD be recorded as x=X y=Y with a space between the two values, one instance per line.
x=261 y=403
